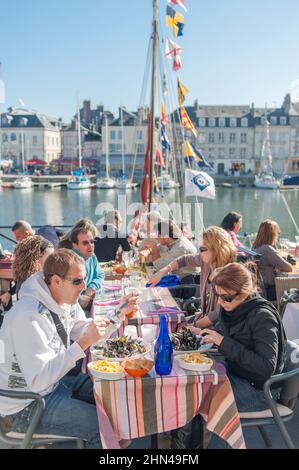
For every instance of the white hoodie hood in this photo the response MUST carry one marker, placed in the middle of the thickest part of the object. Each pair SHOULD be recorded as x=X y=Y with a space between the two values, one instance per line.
x=35 y=358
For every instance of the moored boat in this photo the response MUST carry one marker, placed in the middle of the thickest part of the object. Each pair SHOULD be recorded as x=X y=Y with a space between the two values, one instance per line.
x=23 y=182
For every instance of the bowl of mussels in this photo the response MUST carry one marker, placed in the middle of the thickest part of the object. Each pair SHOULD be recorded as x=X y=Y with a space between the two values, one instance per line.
x=120 y=348
x=185 y=340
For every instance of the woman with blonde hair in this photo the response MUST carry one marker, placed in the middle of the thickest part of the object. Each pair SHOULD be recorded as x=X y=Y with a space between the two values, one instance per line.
x=250 y=335
x=216 y=250
x=29 y=258
x=271 y=262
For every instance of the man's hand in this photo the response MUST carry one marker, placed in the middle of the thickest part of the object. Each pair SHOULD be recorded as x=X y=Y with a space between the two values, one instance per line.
x=93 y=333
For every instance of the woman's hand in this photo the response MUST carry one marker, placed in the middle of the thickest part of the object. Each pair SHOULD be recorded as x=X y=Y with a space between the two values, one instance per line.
x=193 y=329
x=5 y=298
x=211 y=336
x=154 y=280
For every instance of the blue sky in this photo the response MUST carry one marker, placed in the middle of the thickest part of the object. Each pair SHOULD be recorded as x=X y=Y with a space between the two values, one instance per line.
x=235 y=51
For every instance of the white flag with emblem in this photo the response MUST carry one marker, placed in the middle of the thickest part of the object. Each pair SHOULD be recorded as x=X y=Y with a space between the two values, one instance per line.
x=199 y=183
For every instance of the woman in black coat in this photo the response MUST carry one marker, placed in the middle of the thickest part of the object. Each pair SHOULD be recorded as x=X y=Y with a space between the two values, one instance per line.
x=249 y=335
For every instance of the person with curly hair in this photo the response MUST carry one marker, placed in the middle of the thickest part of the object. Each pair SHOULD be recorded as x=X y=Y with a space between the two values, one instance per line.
x=29 y=258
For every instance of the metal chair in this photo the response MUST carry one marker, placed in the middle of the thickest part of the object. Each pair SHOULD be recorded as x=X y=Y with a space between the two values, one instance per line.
x=282 y=412
x=29 y=439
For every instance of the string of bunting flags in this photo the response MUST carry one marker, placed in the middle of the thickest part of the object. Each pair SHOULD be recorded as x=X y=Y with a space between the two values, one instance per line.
x=196 y=183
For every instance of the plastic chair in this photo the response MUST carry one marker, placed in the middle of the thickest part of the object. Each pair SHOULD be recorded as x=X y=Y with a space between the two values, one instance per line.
x=278 y=412
x=29 y=439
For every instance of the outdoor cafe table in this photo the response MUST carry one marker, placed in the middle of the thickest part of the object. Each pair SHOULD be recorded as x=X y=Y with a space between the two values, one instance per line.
x=135 y=407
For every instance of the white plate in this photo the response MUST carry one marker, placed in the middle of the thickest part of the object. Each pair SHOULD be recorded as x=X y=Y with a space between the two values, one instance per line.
x=105 y=375
x=197 y=367
x=203 y=348
x=96 y=354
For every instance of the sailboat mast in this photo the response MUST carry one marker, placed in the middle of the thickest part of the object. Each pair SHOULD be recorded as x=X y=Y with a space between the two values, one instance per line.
x=153 y=95
x=79 y=139
x=122 y=141
x=107 y=147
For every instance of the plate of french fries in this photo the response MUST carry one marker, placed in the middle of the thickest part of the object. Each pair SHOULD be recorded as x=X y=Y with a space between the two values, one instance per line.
x=107 y=370
x=194 y=361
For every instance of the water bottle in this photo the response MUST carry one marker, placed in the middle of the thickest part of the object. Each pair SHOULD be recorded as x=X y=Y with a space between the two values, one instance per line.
x=163 y=350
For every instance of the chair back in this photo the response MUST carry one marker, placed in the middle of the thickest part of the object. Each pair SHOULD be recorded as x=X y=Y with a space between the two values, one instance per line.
x=290 y=387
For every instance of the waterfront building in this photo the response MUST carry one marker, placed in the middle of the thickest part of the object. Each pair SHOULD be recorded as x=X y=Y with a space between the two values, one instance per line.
x=127 y=137
x=27 y=135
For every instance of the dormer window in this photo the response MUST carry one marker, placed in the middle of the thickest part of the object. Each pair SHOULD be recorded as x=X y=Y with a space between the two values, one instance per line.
x=212 y=122
x=233 y=122
x=221 y=122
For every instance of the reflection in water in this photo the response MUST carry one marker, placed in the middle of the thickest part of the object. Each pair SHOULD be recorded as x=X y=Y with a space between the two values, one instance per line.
x=59 y=206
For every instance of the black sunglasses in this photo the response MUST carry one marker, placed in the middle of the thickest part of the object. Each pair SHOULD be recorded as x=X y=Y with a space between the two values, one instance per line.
x=202 y=249
x=76 y=281
x=88 y=242
x=226 y=297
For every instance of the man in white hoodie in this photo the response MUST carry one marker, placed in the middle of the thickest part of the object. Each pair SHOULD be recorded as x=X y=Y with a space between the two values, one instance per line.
x=42 y=337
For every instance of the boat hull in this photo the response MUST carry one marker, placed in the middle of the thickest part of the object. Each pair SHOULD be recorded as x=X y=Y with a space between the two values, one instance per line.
x=105 y=184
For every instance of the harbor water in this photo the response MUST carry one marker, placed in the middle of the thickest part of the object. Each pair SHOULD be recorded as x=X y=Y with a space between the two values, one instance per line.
x=60 y=206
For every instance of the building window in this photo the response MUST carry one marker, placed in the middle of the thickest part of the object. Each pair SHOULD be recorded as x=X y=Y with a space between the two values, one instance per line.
x=221 y=122
x=139 y=135
x=282 y=138
x=48 y=140
x=272 y=137
x=273 y=120
x=212 y=122
x=140 y=148
x=211 y=152
x=281 y=152
x=243 y=138
x=211 y=138
x=13 y=137
x=202 y=122
x=4 y=138
x=120 y=135
x=243 y=153
x=233 y=122
x=34 y=139
x=57 y=141
x=244 y=122
x=263 y=120
x=232 y=138
x=283 y=121
x=201 y=138
x=112 y=135
x=221 y=138
x=53 y=142
x=221 y=152
x=232 y=153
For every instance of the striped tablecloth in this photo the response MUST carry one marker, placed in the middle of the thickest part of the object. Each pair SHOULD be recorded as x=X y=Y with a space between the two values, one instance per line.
x=135 y=407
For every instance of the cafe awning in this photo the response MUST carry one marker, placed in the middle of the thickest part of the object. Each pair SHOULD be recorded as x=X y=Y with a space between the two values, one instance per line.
x=35 y=161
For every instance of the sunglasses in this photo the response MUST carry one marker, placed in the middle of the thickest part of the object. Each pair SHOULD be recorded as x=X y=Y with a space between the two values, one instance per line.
x=76 y=281
x=88 y=242
x=226 y=297
x=202 y=249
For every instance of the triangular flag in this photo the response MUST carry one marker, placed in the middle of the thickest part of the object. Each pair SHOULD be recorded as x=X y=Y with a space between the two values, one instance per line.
x=181 y=3
x=192 y=154
x=199 y=183
x=182 y=92
x=186 y=121
x=164 y=119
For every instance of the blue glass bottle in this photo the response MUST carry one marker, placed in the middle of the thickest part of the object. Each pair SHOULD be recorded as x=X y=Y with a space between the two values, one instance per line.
x=163 y=350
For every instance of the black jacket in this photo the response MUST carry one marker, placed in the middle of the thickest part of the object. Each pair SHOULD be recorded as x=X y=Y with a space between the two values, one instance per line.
x=254 y=341
x=107 y=244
